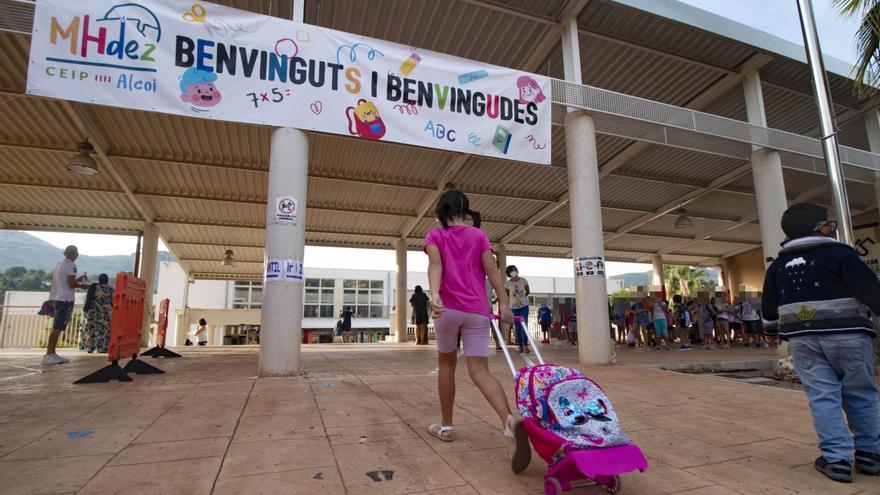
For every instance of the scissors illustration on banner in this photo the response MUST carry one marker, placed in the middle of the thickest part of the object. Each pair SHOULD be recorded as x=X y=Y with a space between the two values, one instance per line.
x=196 y=14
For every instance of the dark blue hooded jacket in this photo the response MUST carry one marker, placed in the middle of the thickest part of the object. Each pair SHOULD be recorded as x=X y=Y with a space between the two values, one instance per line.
x=819 y=286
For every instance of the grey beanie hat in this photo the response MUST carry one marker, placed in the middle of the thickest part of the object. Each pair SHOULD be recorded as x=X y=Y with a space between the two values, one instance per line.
x=800 y=220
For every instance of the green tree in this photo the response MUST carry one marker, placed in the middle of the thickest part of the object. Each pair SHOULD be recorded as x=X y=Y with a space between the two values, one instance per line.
x=21 y=278
x=685 y=280
x=622 y=292
x=867 y=69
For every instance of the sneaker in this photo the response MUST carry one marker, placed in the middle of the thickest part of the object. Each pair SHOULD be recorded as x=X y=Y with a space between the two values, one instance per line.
x=519 y=449
x=765 y=345
x=54 y=359
x=640 y=349
x=684 y=347
x=497 y=348
x=838 y=470
x=519 y=350
x=527 y=350
x=868 y=463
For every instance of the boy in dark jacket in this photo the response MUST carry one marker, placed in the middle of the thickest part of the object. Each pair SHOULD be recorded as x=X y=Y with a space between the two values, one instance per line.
x=816 y=296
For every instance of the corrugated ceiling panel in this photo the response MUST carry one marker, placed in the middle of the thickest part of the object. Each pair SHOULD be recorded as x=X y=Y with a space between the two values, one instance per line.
x=625 y=23
x=680 y=165
x=193 y=210
x=26 y=221
x=86 y=203
x=462 y=31
x=19 y=165
x=356 y=223
x=512 y=178
x=36 y=121
x=214 y=267
x=725 y=205
x=14 y=49
x=213 y=235
x=188 y=251
x=364 y=196
x=712 y=248
x=550 y=236
x=731 y=105
x=638 y=194
x=504 y=209
x=854 y=134
x=861 y=195
x=639 y=243
x=195 y=181
x=797 y=75
x=347 y=240
x=146 y=134
x=750 y=232
x=541 y=251
x=358 y=159
x=796 y=182
x=665 y=225
x=544 y=8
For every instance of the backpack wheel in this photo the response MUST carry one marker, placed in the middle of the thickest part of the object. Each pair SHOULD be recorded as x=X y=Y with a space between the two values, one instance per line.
x=552 y=486
x=613 y=485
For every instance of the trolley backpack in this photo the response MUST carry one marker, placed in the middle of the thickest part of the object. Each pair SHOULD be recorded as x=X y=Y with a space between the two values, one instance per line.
x=569 y=405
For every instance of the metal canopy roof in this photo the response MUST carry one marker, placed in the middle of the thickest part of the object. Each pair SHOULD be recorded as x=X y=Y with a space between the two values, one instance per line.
x=204 y=182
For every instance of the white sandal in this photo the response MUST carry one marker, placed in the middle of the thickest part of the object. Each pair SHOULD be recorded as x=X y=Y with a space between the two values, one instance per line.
x=520 y=451
x=438 y=430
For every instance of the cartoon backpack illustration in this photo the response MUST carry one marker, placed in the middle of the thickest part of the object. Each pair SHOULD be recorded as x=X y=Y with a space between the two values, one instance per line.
x=570 y=406
x=367 y=123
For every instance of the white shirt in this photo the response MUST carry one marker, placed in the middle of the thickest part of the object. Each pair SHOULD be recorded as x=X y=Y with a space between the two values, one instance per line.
x=659 y=314
x=749 y=313
x=516 y=292
x=61 y=290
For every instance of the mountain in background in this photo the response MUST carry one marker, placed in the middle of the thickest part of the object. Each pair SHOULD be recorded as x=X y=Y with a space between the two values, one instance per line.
x=644 y=278
x=23 y=249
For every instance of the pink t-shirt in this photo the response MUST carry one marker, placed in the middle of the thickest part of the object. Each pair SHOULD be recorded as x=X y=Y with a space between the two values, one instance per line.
x=463 y=283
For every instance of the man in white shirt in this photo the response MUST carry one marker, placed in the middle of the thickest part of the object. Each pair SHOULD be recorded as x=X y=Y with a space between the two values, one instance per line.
x=64 y=281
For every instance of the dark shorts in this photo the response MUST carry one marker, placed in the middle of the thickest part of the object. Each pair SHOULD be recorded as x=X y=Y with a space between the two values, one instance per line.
x=750 y=326
x=63 y=310
x=545 y=328
x=735 y=325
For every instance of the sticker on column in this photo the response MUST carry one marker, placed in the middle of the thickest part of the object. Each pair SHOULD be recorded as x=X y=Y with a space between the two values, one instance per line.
x=285 y=210
x=274 y=270
x=589 y=266
x=293 y=270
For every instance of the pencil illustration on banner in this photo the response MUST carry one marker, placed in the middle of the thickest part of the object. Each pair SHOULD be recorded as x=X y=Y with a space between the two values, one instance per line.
x=409 y=64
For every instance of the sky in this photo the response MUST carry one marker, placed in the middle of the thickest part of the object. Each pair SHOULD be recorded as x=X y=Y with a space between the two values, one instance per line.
x=777 y=17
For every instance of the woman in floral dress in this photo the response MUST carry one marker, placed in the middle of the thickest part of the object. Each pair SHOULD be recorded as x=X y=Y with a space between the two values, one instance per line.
x=95 y=333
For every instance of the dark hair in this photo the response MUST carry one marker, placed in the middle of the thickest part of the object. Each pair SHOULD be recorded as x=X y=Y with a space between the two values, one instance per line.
x=510 y=269
x=202 y=321
x=419 y=289
x=676 y=298
x=454 y=203
x=103 y=279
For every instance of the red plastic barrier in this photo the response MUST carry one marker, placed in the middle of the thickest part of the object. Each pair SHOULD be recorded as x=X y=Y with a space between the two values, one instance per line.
x=162 y=322
x=127 y=317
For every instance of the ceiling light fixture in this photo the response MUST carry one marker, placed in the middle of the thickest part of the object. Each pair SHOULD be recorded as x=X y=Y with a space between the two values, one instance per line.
x=683 y=221
x=228 y=258
x=83 y=163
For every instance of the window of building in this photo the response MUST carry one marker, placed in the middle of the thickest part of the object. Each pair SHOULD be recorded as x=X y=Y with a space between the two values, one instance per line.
x=247 y=295
x=364 y=297
x=318 y=301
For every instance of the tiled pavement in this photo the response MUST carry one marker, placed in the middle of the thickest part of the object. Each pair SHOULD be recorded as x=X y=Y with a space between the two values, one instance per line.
x=210 y=426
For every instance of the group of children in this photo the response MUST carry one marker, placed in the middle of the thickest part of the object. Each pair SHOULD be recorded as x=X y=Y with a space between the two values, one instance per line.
x=650 y=323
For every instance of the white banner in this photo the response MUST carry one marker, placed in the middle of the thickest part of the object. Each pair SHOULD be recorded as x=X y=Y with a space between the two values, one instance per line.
x=210 y=61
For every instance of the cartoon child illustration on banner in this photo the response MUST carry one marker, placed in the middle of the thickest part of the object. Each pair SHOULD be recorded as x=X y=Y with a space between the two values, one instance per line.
x=529 y=90
x=197 y=88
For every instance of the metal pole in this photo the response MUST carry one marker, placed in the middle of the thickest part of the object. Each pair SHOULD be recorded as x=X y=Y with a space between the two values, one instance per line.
x=826 y=122
x=137 y=256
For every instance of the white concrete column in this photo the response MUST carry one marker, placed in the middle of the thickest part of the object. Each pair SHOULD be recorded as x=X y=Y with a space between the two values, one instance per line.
x=658 y=278
x=400 y=292
x=586 y=237
x=501 y=255
x=872 y=125
x=179 y=331
x=727 y=279
x=147 y=271
x=281 y=317
x=766 y=174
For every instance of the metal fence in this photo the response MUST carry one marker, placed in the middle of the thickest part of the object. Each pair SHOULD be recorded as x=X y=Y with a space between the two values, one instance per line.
x=21 y=327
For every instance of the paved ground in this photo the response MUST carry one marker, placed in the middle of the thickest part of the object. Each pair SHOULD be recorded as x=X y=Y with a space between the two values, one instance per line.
x=210 y=426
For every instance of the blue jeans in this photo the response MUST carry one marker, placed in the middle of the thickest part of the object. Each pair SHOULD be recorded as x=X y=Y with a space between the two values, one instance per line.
x=521 y=339
x=837 y=372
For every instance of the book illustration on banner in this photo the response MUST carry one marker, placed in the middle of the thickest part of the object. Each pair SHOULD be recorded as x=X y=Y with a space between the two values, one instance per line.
x=367 y=122
x=501 y=141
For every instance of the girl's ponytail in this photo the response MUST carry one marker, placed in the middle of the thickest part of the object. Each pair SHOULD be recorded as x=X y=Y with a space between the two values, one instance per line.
x=475 y=215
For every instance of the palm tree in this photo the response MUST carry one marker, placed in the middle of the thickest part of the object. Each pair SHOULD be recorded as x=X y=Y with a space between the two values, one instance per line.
x=867 y=70
x=684 y=280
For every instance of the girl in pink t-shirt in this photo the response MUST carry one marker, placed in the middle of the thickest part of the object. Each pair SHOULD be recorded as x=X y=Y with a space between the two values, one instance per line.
x=460 y=259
